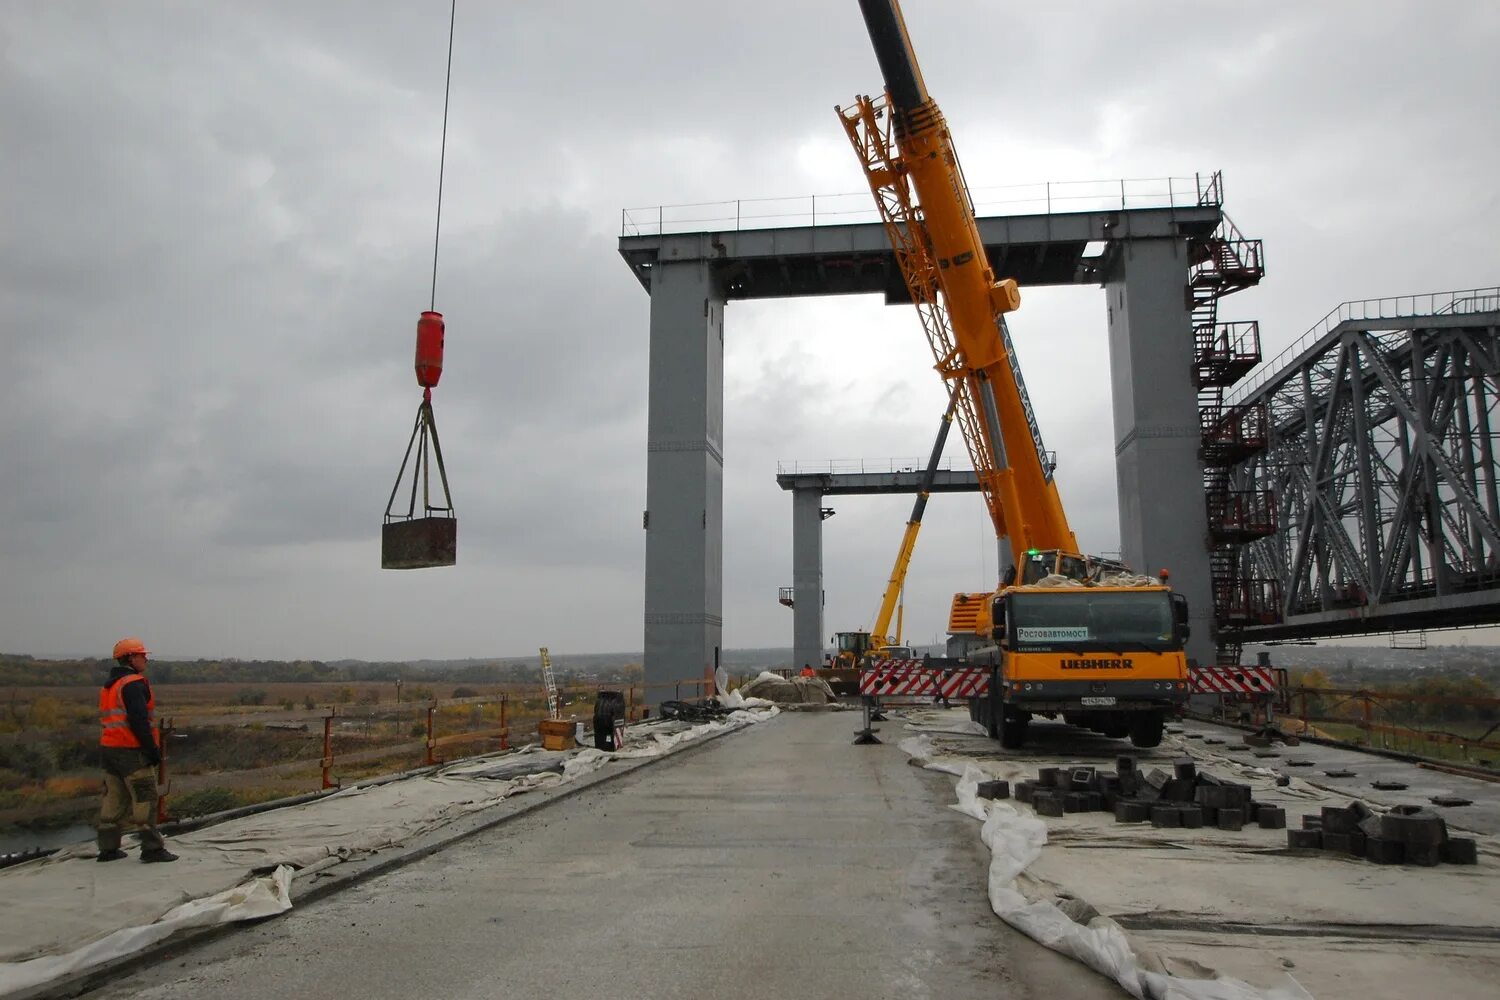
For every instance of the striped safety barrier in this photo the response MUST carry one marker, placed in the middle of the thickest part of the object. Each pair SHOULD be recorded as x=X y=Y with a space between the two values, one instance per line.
x=910 y=678
x=1232 y=680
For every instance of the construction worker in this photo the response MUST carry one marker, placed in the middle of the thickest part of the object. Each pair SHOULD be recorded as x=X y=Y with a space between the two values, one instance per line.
x=808 y=671
x=129 y=756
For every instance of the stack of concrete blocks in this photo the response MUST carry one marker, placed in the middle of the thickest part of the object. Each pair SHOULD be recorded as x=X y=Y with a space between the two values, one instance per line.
x=1410 y=835
x=1183 y=798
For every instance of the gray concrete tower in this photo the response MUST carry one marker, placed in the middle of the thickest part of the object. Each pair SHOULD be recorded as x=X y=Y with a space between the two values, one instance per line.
x=1163 y=521
x=684 y=476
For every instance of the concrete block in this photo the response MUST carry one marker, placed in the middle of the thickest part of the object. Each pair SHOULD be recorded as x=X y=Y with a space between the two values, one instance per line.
x=1210 y=815
x=1124 y=765
x=1312 y=822
x=1384 y=852
x=1047 y=777
x=1424 y=855
x=1095 y=801
x=1414 y=826
x=1157 y=778
x=1339 y=843
x=1075 y=802
x=994 y=789
x=1047 y=803
x=1357 y=844
x=1024 y=790
x=1178 y=790
x=1232 y=820
x=1304 y=839
x=1237 y=795
x=1191 y=817
x=1271 y=818
x=1165 y=816
x=1337 y=819
x=1132 y=812
x=1184 y=770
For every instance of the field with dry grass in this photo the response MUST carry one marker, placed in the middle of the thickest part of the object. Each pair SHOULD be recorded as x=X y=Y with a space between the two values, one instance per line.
x=232 y=744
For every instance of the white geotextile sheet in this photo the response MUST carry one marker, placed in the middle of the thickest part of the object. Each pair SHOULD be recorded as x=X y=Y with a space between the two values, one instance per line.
x=67 y=913
x=1191 y=880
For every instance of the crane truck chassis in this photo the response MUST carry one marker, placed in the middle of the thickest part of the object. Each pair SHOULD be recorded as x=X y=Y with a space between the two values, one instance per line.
x=1108 y=658
x=1105 y=654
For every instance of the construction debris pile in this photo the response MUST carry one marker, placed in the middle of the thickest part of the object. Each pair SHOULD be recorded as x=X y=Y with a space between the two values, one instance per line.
x=1184 y=798
x=1410 y=835
x=788 y=690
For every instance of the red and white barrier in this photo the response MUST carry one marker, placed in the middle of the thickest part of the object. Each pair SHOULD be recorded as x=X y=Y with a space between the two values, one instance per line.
x=910 y=678
x=1232 y=680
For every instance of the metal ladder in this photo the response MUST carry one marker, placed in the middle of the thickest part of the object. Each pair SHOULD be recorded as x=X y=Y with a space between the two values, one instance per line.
x=553 y=711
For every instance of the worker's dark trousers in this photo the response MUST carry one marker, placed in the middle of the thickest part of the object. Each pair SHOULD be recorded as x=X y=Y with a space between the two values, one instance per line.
x=129 y=798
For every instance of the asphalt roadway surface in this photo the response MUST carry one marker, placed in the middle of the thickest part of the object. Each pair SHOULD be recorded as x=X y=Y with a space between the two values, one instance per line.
x=779 y=862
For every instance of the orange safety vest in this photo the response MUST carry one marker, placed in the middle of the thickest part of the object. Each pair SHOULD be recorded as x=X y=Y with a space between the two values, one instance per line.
x=115 y=729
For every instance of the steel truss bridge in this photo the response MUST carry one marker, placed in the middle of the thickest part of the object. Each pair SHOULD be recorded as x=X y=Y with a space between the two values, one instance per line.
x=1354 y=486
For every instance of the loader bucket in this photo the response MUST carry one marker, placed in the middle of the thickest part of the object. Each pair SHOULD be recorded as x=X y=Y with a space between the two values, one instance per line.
x=419 y=543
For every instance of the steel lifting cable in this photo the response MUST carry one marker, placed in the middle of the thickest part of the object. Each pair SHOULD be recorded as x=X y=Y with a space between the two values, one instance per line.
x=437 y=229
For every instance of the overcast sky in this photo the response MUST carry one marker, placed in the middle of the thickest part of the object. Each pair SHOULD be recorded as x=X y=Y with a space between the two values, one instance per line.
x=216 y=240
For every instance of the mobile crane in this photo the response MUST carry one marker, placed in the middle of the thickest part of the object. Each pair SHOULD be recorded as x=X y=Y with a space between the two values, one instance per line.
x=853 y=649
x=1064 y=633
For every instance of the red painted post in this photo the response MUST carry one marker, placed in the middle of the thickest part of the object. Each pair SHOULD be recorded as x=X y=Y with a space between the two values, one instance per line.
x=328 y=748
x=163 y=730
x=429 y=759
x=504 y=728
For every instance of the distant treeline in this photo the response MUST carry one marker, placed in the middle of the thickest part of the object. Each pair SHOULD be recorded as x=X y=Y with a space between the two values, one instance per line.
x=26 y=671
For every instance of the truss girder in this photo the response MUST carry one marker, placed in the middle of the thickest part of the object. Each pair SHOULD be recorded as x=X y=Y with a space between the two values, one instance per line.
x=1383 y=463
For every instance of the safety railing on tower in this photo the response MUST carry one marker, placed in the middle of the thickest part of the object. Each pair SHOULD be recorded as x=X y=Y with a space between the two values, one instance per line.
x=859 y=466
x=850 y=208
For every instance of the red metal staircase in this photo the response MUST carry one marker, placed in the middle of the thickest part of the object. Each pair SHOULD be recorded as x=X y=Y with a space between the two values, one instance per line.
x=1221 y=264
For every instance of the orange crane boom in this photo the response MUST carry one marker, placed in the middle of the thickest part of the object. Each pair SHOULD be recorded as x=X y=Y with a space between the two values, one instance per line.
x=909 y=160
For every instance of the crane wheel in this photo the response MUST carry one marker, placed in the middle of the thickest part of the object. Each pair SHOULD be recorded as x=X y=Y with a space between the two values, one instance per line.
x=1013 y=731
x=1146 y=729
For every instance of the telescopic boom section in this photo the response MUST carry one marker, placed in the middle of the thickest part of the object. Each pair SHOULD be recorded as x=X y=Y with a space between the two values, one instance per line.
x=913 y=170
x=880 y=635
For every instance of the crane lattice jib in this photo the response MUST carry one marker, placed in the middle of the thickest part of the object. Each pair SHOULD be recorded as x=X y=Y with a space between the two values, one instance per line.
x=913 y=172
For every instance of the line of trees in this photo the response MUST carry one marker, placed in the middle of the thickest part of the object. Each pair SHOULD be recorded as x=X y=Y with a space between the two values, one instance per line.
x=25 y=671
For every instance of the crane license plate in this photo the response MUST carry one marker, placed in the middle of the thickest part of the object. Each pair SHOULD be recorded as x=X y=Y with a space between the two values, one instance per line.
x=1097 y=702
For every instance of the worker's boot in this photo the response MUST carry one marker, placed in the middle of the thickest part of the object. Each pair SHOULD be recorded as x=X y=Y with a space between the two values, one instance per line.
x=113 y=854
x=159 y=855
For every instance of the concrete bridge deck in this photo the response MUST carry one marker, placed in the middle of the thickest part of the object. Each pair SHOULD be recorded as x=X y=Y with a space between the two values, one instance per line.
x=777 y=862
x=782 y=861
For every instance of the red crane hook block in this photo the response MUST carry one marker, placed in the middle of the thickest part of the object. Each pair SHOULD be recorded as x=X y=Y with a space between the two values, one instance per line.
x=429 y=364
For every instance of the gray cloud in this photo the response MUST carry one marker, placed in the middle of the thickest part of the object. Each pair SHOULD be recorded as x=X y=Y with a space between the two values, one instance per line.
x=217 y=241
